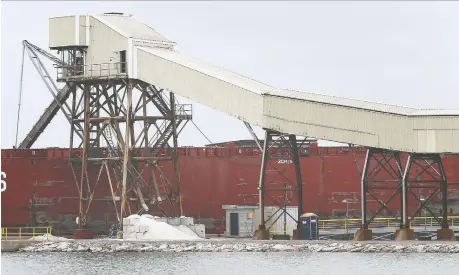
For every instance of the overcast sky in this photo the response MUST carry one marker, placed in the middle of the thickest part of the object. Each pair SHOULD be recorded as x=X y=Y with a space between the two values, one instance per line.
x=399 y=53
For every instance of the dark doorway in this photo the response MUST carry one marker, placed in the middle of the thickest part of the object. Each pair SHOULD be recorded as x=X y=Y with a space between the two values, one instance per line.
x=122 y=62
x=234 y=224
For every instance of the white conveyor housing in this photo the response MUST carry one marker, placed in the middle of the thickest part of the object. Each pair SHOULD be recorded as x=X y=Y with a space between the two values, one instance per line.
x=151 y=58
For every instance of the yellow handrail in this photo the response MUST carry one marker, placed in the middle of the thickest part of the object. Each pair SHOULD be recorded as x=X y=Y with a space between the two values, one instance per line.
x=355 y=223
x=24 y=232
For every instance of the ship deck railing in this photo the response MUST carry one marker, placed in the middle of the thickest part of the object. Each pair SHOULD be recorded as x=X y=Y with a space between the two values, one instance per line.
x=24 y=233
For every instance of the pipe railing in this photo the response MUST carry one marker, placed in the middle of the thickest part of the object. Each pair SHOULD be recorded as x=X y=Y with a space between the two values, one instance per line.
x=387 y=223
x=24 y=233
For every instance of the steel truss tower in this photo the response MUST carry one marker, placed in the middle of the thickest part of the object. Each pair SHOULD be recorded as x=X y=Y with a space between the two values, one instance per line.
x=266 y=193
x=384 y=170
x=120 y=130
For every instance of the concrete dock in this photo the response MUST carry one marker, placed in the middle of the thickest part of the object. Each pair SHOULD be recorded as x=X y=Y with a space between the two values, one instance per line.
x=15 y=245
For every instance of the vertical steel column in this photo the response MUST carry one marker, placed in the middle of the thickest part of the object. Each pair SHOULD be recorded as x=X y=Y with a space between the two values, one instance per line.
x=299 y=181
x=84 y=163
x=364 y=187
x=261 y=184
x=444 y=194
x=126 y=160
x=404 y=214
x=174 y=150
x=72 y=116
x=145 y=122
x=402 y=195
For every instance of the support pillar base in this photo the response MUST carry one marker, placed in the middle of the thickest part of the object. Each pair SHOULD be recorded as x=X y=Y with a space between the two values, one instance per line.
x=363 y=235
x=404 y=234
x=261 y=234
x=445 y=234
x=296 y=234
x=83 y=234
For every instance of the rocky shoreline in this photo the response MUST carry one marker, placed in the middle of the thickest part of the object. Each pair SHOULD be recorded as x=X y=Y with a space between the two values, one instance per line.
x=121 y=246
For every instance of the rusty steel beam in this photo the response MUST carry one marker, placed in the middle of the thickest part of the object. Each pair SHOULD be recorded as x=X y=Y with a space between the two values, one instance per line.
x=299 y=181
x=83 y=179
x=174 y=121
x=102 y=117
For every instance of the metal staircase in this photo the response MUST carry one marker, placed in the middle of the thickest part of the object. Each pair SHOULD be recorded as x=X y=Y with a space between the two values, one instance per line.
x=159 y=101
x=161 y=138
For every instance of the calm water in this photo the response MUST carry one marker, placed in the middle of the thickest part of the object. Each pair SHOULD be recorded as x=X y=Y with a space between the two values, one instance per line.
x=228 y=263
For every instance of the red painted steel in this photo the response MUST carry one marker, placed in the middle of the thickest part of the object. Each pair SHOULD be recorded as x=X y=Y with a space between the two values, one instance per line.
x=211 y=177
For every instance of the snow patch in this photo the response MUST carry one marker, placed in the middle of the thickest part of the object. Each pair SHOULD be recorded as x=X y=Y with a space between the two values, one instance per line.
x=46 y=237
x=185 y=229
x=146 y=227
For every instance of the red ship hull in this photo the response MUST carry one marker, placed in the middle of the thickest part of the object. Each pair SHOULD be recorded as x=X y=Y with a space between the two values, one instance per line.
x=210 y=178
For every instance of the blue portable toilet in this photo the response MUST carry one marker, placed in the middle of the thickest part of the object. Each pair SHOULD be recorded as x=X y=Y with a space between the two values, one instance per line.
x=309 y=226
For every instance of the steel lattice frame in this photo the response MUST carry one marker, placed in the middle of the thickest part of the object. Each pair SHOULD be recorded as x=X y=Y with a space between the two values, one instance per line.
x=430 y=175
x=382 y=171
x=288 y=142
x=105 y=110
x=404 y=180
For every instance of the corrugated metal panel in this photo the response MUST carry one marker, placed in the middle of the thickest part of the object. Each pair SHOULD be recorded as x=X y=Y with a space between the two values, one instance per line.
x=277 y=227
x=347 y=102
x=321 y=116
x=105 y=45
x=62 y=32
x=246 y=221
x=222 y=74
x=203 y=83
x=133 y=28
x=356 y=126
x=436 y=133
x=435 y=112
x=320 y=120
x=83 y=28
x=363 y=104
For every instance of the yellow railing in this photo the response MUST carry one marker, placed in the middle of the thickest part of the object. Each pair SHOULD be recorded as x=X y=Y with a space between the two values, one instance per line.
x=20 y=233
x=280 y=231
x=428 y=222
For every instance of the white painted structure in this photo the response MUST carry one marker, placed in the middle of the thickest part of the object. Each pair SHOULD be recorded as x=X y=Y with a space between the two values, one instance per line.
x=151 y=58
x=244 y=222
x=248 y=220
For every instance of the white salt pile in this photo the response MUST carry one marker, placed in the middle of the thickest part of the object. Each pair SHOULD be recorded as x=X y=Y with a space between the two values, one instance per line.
x=185 y=229
x=48 y=237
x=146 y=227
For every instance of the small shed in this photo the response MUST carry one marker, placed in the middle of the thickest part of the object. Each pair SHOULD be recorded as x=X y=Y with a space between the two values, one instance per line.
x=240 y=220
